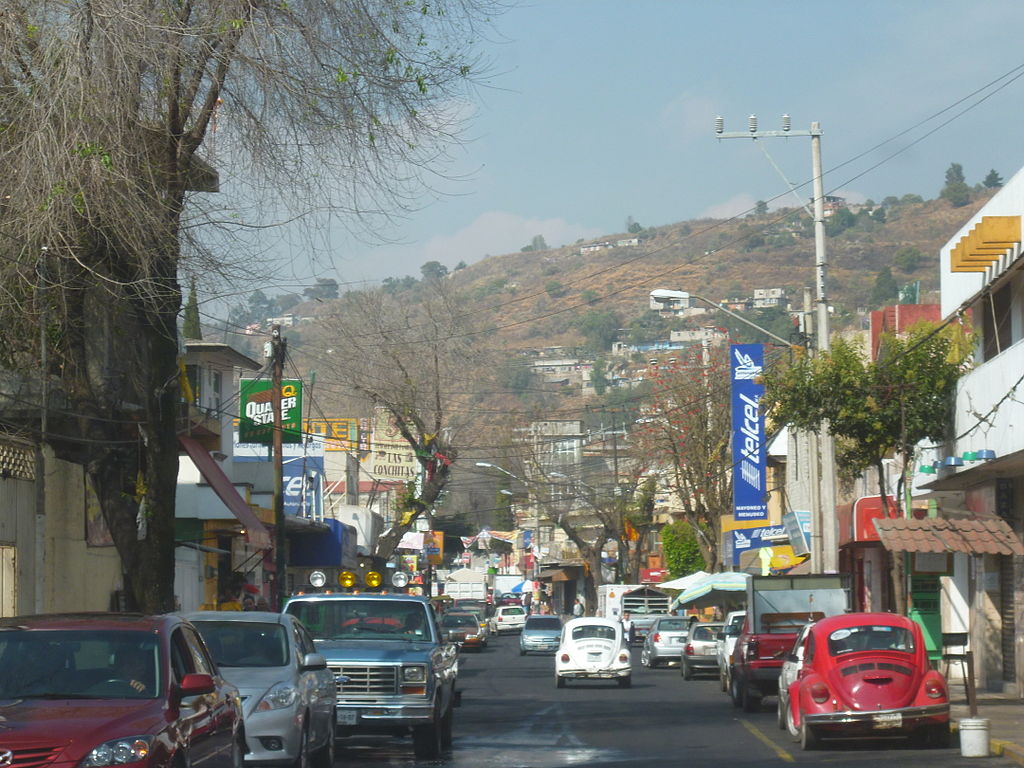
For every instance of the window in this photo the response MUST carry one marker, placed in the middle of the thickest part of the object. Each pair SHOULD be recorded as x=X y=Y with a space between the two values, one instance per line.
x=995 y=322
x=245 y=643
x=593 y=631
x=870 y=638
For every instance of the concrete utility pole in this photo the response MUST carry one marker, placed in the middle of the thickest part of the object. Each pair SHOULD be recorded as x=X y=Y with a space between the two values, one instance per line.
x=278 y=346
x=826 y=534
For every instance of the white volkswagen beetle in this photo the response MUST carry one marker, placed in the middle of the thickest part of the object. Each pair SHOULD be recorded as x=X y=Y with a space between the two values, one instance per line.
x=593 y=648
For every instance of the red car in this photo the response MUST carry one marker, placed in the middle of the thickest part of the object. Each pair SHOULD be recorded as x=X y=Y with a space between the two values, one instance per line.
x=98 y=690
x=867 y=674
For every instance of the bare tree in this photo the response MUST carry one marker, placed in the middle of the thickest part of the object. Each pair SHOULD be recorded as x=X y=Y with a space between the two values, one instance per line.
x=415 y=359
x=105 y=109
x=686 y=438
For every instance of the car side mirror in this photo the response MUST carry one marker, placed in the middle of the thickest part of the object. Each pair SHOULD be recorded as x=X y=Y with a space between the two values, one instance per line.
x=196 y=684
x=312 y=662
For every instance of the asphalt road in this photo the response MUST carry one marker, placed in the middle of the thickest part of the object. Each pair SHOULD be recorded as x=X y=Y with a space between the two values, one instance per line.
x=513 y=716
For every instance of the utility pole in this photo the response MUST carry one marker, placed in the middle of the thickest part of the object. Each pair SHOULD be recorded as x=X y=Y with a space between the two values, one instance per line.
x=278 y=346
x=826 y=444
x=39 y=596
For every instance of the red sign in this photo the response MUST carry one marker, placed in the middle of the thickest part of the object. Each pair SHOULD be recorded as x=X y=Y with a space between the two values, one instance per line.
x=653 y=575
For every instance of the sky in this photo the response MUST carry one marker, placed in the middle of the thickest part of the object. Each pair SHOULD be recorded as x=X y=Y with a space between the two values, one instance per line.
x=599 y=110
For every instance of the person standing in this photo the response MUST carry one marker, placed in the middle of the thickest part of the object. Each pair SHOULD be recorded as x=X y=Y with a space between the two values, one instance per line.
x=627 y=627
x=577 y=608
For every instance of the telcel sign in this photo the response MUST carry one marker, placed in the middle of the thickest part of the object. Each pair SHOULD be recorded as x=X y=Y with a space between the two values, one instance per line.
x=748 y=436
x=256 y=419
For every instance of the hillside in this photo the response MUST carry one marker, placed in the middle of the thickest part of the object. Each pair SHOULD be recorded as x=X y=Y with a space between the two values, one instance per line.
x=536 y=296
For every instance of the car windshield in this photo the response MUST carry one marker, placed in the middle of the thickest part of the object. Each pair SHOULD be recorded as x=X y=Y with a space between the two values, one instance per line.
x=543 y=622
x=512 y=611
x=666 y=625
x=873 y=637
x=245 y=643
x=587 y=631
x=363 y=619
x=79 y=664
x=453 y=620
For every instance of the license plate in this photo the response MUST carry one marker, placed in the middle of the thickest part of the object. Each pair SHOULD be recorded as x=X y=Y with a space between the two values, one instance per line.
x=709 y=652
x=887 y=720
x=348 y=716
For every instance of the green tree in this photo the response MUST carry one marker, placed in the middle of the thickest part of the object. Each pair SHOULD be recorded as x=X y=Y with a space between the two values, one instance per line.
x=840 y=221
x=682 y=553
x=191 y=327
x=760 y=208
x=590 y=296
x=536 y=244
x=599 y=377
x=873 y=408
x=956 y=192
x=325 y=288
x=600 y=327
x=635 y=228
x=555 y=289
x=433 y=270
x=992 y=180
x=395 y=285
x=878 y=214
x=911 y=199
x=885 y=290
x=907 y=259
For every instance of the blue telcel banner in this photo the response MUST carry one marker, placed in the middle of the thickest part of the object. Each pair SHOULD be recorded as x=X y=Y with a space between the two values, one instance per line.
x=749 y=491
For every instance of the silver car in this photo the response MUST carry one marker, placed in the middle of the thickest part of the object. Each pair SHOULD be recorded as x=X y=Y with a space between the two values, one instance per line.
x=286 y=689
x=665 y=641
x=540 y=635
x=700 y=653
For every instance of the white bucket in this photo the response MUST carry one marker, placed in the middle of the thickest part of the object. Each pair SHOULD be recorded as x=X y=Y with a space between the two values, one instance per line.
x=974 y=737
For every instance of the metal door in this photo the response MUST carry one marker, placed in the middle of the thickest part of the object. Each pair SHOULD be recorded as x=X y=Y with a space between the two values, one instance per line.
x=8 y=581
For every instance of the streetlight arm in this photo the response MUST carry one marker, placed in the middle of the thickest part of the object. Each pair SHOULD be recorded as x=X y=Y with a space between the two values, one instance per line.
x=742 y=319
x=488 y=465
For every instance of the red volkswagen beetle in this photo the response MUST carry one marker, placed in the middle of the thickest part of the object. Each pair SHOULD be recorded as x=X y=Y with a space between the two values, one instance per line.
x=867 y=674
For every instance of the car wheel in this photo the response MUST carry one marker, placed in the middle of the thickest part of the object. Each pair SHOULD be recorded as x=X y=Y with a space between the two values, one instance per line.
x=625 y=682
x=780 y=712
x=324 y=757
x=238 y=751
x=645 y=658
x=723 y=681
x=734 y=692
x=751 y=701
x=522 y=652
x=447 y=726
x=808 y=738
x=794 y=732
x=687 y=672
x=560 y=682
x=426 y=741
x=303 y=758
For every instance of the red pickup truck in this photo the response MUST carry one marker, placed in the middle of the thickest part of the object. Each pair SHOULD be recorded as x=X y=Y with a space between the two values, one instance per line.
x=777 y=608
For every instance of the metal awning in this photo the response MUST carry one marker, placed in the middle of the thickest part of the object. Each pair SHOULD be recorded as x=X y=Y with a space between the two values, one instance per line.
x=255 y=531
x=977 y=536
x=554 y=574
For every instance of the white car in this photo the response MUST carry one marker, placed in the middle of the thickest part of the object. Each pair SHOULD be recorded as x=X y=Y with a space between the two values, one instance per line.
x=726 y=643
x=790 y=671
x=593 y=648
x=508 y=618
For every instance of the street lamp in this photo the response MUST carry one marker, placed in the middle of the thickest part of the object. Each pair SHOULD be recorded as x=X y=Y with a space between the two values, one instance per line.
x=824 y=533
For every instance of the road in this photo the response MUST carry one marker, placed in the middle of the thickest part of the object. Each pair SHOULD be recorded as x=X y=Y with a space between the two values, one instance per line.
x=512 y=716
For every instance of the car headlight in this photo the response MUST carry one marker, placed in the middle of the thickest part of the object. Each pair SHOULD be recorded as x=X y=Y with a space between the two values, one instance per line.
x=414 y=674
x=280 y=696
x=119 y=752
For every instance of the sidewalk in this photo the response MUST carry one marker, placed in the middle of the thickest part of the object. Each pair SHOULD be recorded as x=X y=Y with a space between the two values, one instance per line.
x=1006 y=721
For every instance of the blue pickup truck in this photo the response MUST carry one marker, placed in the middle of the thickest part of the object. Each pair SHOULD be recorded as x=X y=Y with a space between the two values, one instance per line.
x=393 y=671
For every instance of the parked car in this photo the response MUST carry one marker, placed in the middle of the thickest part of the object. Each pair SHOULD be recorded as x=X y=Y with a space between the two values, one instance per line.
x=481 y=608
x=540 y=634
x=700 y=654
x=394 y=672
x=726 y=644
x=867 y=674
x=101 y=690
x=665 y=641
x=789 y=673
x=593 y=648
x=508 y=618
x=287 y=691
x=463 y=629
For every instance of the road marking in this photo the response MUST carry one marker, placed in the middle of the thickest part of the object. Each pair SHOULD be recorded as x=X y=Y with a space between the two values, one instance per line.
x=782 y=754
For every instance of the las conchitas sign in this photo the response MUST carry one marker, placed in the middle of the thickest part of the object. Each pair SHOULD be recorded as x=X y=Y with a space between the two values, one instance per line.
x=256 y=412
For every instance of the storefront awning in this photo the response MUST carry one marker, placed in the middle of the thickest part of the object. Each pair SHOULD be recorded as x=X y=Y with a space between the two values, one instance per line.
x=978 y=536
x=554 y=574
x=255 y=531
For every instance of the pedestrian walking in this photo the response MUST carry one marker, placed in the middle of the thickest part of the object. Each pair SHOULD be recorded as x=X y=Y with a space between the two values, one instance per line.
x=577 y=608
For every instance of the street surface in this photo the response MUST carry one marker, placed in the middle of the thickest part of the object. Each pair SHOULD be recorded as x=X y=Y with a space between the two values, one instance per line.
x=512 y=716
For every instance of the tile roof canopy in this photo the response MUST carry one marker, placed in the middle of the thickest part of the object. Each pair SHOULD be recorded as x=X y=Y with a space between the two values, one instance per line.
x=985 y=536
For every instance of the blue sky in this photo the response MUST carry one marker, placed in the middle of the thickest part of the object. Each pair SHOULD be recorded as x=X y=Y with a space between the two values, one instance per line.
x=601 y=109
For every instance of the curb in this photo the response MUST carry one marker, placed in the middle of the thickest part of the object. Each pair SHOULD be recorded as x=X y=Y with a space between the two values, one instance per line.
x=997 y=747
